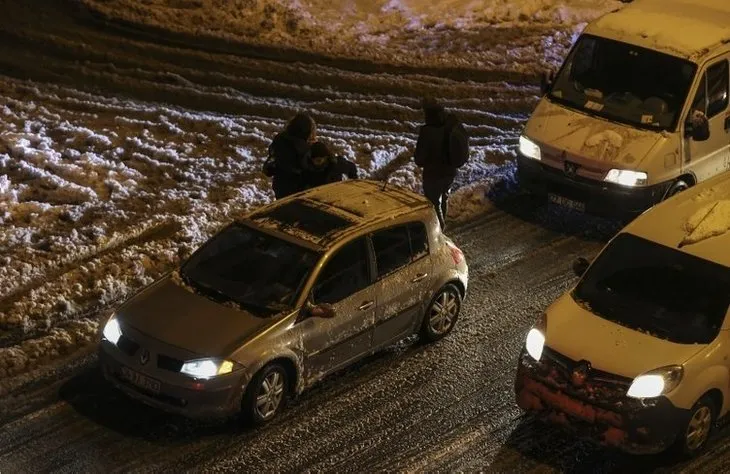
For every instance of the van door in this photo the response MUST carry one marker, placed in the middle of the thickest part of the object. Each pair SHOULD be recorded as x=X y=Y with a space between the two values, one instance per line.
x=707 y=158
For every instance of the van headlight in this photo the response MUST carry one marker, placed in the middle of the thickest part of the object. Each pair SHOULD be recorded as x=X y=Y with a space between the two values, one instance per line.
x=207 y=368
x=656 y=382
x=112 y=332
x=536 y=338
x=529 y=148
x=627 y=177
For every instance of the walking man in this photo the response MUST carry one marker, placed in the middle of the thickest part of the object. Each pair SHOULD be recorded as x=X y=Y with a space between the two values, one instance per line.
x=442 y=148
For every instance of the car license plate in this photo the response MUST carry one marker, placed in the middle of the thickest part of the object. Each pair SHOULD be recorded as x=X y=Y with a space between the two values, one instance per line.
x=142 y=381
x=565 y=202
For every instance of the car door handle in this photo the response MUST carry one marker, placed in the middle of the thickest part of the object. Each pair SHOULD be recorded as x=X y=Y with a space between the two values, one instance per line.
x=366 y=305
x=419 y=277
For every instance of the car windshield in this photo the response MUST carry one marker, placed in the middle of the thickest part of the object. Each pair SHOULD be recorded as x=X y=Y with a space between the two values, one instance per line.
x=257 y=271
x=657 y=290
x=624 y=83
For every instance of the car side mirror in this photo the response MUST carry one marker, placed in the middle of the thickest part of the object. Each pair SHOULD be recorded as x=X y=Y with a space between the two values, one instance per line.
x=698 y=127
x=546 y=81
x=580 y=266
x=323 y=310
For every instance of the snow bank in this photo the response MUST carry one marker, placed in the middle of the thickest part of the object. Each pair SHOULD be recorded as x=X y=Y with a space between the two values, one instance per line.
x=416 y=32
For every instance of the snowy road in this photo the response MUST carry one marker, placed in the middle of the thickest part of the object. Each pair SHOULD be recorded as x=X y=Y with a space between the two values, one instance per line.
x=445 y=407
x=139 y=179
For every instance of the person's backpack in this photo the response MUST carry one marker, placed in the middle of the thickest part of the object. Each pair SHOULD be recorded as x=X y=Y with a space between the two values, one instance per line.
x=457 y=144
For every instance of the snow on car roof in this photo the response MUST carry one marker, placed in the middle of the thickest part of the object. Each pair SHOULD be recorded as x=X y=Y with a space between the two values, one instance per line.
x=325 y=214
x=685 y=28
x=696 y=221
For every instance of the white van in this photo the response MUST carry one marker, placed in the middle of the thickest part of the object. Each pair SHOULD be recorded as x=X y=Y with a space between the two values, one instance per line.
x=637 y=354
x=638 y=111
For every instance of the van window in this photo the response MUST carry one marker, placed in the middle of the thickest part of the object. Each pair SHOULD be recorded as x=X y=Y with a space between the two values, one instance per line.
x=714 y=89
x=657 y=290
x=624 y=83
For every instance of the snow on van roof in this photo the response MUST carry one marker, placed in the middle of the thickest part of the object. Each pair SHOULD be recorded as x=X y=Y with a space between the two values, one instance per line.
x=685 y=28
x=696 y=221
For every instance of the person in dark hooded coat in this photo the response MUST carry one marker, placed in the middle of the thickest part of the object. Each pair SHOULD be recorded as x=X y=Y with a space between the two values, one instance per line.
x=324 y=167
x=441 y=149
x=289 y=154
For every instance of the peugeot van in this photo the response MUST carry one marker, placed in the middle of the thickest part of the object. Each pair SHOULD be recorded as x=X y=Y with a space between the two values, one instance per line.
x=637 y=354
x=638 y=111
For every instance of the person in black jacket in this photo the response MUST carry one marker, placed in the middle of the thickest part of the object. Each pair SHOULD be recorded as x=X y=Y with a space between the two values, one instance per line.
x=289 y=154
x=324 y=167
x=434 y=151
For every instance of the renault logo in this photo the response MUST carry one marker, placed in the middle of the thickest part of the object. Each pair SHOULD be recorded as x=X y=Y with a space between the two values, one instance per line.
x=580 y=373
x=144 y=357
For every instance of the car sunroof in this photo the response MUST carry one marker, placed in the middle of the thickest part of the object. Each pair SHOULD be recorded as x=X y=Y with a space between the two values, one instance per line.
x=306 y=217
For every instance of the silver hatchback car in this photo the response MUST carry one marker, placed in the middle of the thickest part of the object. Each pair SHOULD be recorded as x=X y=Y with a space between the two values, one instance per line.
x=276 y=301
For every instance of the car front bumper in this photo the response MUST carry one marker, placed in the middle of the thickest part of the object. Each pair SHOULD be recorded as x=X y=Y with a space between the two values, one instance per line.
x=599 y=197
x=219 y=397
x=597 y=410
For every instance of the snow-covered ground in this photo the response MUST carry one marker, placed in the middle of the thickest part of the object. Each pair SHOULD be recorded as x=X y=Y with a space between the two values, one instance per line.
x=101 y=195
x=413 y=32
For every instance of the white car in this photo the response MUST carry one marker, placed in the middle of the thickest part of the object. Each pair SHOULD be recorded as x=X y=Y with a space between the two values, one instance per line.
x=637 y=354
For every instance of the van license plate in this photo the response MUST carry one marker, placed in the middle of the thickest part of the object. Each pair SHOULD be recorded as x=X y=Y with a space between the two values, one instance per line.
x=142 y=381
x=565 y=202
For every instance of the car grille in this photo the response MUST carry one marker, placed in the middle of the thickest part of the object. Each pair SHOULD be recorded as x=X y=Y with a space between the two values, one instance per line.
x=127 y=345
x=599 y=387
x=130 y=347
x=169 y=363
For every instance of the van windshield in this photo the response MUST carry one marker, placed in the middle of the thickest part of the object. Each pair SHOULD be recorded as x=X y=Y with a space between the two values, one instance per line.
x=624 y=83
x=658 y=290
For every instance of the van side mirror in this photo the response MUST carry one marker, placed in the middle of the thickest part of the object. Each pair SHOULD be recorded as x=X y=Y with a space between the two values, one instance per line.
x=546 y=81
x=580 y=266
x=698 y=126
x=322 y=310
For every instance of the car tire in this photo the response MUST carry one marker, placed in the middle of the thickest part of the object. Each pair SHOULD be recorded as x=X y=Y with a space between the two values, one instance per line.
x=441 y=313
x=693 y=436
x=266 y=394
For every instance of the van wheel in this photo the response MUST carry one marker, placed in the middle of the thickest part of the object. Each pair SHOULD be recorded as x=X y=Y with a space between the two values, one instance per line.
x=441 y=314
x=693 y=438
x=266 y=394
x=676 y=188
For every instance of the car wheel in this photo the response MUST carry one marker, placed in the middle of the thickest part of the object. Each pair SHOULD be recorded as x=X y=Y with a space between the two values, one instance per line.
x=693 y=438
x=266 y=394
x=441 y=313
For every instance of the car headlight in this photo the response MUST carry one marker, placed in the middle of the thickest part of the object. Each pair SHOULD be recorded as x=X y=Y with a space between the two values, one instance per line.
x=112 y=332
x=536 y=338
x=207 y=368
x=657 y=382
x=627 y=177
x=535 y=343
x=529 y=148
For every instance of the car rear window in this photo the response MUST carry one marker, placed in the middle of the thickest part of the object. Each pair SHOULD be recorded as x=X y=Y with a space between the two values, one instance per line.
x=398 y=246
